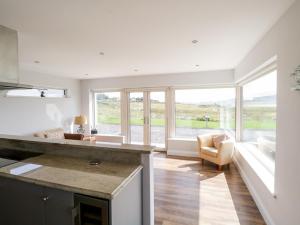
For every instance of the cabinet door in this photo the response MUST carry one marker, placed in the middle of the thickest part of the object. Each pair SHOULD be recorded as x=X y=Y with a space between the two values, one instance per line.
x=58 y=207
x=21 y=203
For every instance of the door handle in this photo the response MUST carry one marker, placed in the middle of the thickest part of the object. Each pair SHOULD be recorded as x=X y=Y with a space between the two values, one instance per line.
x=146 y=120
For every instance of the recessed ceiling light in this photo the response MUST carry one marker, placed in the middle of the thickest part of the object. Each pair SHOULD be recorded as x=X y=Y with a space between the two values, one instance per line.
x=36 y=61
x=86 y=74
x=194 y=41
x=101 y=53
x=197 y=65
x=136 y=70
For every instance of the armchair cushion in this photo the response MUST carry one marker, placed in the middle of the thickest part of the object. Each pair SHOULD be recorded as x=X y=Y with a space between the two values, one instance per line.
x=205 y=140
x=209 y=151
x=218 y=139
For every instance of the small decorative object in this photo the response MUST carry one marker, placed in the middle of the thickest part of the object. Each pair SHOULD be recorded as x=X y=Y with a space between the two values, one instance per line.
x=94 y=131
x=43 y=94
x=296 y=76
x=80 y=120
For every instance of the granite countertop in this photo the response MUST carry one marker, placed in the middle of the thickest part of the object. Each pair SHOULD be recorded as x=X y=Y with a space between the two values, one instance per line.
x=130 y=148
x=76 y=175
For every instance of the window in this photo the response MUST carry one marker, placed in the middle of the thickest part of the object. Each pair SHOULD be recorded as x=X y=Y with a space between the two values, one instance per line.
x=158 y=118
x=136 y=117
x=40 y=93
x=108 y=112
x=199 y=111
x=259 y=118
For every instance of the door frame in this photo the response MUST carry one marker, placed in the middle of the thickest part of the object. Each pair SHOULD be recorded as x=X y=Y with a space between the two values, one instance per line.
x=147 y=112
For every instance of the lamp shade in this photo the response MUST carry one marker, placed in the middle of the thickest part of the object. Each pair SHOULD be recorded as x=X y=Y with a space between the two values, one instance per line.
x=80 y=120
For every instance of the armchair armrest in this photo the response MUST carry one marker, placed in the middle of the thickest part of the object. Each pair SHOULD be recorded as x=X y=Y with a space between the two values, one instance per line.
x=74 y=136
x=226 y=150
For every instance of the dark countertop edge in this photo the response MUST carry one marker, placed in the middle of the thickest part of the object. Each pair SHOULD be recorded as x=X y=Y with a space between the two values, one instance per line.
x=96 y=194
x=141 y=149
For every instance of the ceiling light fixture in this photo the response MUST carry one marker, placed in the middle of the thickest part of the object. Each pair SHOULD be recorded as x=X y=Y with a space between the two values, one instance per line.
x=136 y=70
x=36 y=61
x=194 y=41
x=197 y=65
x=101 y=53
x=86 y=74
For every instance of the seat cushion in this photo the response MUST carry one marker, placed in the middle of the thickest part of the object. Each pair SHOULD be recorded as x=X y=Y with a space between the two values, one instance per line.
x=213 y=152
x=205 y=140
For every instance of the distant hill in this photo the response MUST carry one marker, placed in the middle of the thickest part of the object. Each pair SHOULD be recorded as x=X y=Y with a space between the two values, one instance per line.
x=267 y=100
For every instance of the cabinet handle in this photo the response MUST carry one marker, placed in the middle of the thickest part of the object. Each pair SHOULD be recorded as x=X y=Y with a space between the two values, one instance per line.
x=74 y=213
x=45 y=198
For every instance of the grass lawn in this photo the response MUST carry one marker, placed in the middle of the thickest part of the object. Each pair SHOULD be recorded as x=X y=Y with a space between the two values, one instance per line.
x=195 y=124
x=189 y=115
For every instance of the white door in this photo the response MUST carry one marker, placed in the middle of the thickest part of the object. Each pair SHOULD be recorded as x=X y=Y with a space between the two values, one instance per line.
x=147 y=117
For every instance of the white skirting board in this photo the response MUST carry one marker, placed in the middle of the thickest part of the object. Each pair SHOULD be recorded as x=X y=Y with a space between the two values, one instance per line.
x=183 y=153
x=255 y=196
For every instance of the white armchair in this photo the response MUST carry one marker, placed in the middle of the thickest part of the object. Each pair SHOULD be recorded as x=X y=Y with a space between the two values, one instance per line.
x=220 y=154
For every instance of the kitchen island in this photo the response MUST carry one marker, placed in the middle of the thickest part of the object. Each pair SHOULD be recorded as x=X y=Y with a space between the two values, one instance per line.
x=66 y=179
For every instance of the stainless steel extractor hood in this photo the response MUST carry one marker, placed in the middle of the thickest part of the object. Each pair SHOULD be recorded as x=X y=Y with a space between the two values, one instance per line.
x=9 y=62
x=12 y=86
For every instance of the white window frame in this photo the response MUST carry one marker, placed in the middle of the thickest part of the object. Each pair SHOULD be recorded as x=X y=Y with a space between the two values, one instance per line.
x=65 y=95
x=266 y=177
x=96 y=91
x=125 y=131
x=172 y=113
x=258 y=74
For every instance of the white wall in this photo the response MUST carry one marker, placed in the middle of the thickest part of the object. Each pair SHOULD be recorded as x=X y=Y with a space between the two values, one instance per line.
x=284 y=41
x=19 y=115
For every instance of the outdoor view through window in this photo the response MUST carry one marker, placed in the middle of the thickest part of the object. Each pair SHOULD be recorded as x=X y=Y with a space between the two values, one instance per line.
x=201 y=111
x=108 y=112
x=259 y=118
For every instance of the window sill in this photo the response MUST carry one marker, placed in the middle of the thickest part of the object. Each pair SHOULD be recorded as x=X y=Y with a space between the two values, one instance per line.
x=182 y=139
x=264 y=174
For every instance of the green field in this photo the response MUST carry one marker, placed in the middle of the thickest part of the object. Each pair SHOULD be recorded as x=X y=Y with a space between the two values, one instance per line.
x=189 y=115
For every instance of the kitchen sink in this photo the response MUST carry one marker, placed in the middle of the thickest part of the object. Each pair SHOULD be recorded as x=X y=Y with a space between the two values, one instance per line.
x=17 y=155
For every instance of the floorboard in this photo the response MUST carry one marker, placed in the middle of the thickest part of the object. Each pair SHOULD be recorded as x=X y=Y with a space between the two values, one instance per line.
x=189 y=193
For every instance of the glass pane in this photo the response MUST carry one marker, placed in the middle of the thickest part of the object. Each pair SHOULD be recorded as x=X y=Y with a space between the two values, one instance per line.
x=47 y=93
x=259 y=117
x=136 y=117
x=200 y=111
x=108 y=113
x=157 y=118
x=55 y=93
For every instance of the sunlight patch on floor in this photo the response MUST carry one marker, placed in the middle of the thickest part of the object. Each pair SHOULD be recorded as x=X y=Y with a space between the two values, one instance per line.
x=218 y=205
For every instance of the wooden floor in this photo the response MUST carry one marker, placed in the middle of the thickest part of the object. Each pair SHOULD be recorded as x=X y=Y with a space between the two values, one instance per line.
x=188 y=193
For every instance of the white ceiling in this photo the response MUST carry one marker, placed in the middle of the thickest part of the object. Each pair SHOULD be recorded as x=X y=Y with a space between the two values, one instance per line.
x=151 y=36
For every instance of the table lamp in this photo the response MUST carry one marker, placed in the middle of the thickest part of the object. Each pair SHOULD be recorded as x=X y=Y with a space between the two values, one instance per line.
x=80 y=120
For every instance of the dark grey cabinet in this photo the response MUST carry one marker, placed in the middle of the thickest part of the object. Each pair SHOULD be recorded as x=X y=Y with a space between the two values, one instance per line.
x=22 y=203
x=58 y=207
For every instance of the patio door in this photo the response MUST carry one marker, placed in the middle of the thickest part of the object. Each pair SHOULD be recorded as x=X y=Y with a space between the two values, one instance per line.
x=147 y=117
